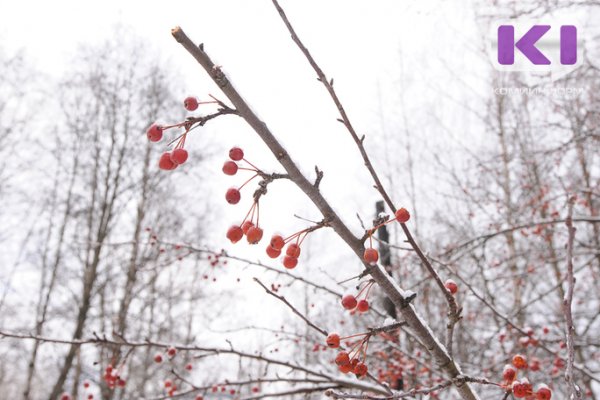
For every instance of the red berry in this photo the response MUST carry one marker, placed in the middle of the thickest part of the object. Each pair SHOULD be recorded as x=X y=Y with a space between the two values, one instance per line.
x=518 y=390
x=168 y=383
x=451 y=286
x=166 y=163
x=272 y=252
x=277 y=242
x=509 y=373
x=543 y=392
x=290 y=262
x=190 y=103
x=345 y=368
x=172 y=351
x=236 y=154
x=158 y=358
x=199 y=397
x=154 y=133
x=519 y=361
x=293 y=250
x=546 y=330
x=362 y=306
x=247 y=225
x=361 y=370
x=230 y=168
x=342 y=358
x=65 y=396
x=402 y=215
x=179 y=156
x=333 y=340
x=255 y=389
x=235 y=233
x=371 y=255
x=189 y=367
x=254 y=235
x=349 y=302
x=233 y=196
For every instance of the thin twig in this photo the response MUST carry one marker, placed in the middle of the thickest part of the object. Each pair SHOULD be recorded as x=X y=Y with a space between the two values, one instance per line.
x=574 y=389
x=294 y=310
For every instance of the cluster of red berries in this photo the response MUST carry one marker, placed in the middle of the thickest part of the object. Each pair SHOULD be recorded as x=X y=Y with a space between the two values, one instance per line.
x=112 y=378
x=171 y=352
x=522 y=389
x=223 y=389
x=371 y=255
x=351 y=361
x=354 y=303
x=248 y=228
x=231 y=167
x=170 y=387
x=170 y=160
x=292 y=251
x=250 y=225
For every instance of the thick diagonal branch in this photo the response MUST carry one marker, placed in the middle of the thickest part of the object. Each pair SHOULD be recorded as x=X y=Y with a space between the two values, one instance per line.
x=391 y=289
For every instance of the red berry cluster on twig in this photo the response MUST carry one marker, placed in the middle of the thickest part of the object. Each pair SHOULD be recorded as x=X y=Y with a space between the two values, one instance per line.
x=170 y=160
x=112 y=377
x=353 y=360
x=371 y=255
x=355 y=303
x=522 y=388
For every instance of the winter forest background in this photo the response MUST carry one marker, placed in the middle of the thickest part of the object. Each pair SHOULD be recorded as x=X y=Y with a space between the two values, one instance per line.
x=107 y=260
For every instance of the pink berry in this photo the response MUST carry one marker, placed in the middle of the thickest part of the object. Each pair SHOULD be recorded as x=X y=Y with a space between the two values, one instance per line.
x=179 y=156
x=154 y=133
x=254 y=234
x=246 y=226
x=293 y=250
x=273 y=252
x=290 y=262
x=235 y=233
x=230 y=168
x=190 y=103
x=451 y=286
x=277 y=242
x=371 y=256
x=362 y=306
x=166 y=163
x=236 y=154
x=402 y=215
x=233 y=196
x=349 y=302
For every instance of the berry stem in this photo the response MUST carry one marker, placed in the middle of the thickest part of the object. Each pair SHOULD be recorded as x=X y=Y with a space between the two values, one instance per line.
x=252 y=165
x=251 y=210
x=248 y=181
